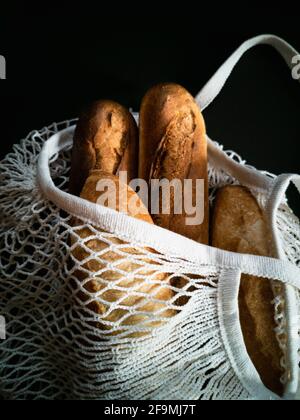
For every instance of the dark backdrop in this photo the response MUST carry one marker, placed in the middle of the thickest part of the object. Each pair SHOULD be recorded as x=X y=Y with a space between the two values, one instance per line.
x=58 y=60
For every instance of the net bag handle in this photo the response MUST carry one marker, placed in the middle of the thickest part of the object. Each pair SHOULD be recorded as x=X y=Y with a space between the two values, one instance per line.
x=258 y=180
x=275 y=200
x=217 y=157
x=215 y=85
x=145 y=234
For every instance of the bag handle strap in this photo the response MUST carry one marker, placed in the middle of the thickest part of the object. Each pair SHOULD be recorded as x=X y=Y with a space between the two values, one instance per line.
x=214 y=86
x=276 y=198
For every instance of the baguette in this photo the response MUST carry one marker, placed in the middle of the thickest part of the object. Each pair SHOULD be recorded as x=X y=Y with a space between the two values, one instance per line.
x=238 y=225
x=173 y=146
x=140 y=284
x=105 y=143
x=106 y=139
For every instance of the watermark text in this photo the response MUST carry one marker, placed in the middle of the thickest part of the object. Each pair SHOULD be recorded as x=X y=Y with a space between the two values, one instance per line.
x=161 y=196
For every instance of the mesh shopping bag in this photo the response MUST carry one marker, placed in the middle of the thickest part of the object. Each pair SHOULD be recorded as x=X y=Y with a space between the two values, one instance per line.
x=90 y=298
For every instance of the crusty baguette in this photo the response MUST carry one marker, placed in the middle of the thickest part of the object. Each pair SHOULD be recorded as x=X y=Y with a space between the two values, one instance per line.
x=105 y=143
x=140 y=284
x=173 y=146
x=238 y=225
x=106 y=138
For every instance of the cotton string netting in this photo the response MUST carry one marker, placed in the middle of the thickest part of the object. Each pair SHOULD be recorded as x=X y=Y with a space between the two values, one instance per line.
x=97 y=327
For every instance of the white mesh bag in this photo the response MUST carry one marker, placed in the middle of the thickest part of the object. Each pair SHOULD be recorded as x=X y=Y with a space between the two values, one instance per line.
x=140 y=346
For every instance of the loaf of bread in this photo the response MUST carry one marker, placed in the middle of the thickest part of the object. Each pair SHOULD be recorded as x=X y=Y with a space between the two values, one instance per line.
x=238 y=225
x=173 y=146
x=123 y=275
x=106 y=142
x=106 y=138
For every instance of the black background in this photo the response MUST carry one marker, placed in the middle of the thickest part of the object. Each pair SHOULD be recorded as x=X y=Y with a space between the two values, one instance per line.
x=60 y=59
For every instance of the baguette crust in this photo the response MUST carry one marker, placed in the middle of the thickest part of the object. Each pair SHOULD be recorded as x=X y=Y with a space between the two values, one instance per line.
x=238 y=225
x=106 y=139
x=173 y=146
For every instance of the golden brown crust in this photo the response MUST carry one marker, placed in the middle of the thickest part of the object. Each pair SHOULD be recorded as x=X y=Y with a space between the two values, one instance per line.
x=97 y=284
x=173 y=146
x=106 y=138
x=238 y=225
